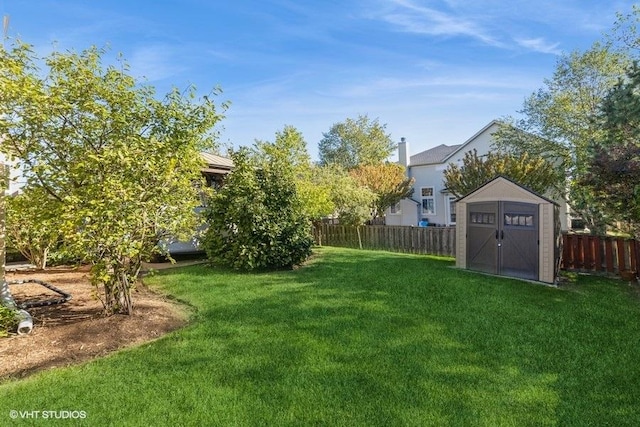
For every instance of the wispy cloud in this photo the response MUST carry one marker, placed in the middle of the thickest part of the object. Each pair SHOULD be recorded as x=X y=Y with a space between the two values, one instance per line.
x=155 y=62
x=540 y=45
x=442 y=84
x=417 y=19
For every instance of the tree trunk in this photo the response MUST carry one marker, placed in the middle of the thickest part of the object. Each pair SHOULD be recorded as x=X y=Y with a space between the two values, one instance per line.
x=5 y=296
x=117 y=290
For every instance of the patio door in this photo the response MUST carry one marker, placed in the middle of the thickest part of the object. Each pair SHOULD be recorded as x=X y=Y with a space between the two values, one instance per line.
x=502 y=238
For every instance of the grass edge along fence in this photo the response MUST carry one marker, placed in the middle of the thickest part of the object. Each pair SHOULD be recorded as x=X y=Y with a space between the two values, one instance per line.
x=418 y=240
x=601 y=254
x=608 y=255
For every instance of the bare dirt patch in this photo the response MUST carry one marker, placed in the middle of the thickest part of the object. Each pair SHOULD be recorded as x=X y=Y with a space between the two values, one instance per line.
x=77 y=330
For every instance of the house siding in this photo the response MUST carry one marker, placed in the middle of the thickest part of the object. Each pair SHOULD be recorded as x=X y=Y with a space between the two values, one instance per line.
x=432 y=175
x=406 y=216
x=429 y=177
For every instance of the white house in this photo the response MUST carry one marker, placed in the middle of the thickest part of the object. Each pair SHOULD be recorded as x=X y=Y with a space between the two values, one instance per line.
x=16 y=179
x=431 y=203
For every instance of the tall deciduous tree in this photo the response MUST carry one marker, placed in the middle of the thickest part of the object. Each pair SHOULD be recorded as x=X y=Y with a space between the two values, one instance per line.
x=534 y=173
x=121 y=163
x=352 y=202
x=290 y=148
x=355 y=142
x=556 y=123
x=625 y=35
x=614 y=166
x=387 y=181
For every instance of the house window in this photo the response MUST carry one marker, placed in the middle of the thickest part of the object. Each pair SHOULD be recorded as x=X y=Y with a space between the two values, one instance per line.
x=452 y=210
x=428 y=201
x=395 y=209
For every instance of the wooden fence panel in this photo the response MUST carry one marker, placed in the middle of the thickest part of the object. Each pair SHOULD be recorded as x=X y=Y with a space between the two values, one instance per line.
x=419 y=240
x=620 y=245
x=635 y=256
x=580 y=252
x=613 y=255
x=608 y=248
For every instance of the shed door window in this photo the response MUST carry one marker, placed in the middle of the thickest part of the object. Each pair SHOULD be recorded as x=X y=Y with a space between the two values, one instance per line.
x=518 y=220
x=482 y=218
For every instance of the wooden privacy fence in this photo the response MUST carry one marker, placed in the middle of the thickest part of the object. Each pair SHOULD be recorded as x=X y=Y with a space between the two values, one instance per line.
x=418 y=240
x=613 y=255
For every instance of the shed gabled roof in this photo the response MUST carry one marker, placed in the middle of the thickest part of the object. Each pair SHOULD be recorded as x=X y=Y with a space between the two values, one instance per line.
x=498 y=185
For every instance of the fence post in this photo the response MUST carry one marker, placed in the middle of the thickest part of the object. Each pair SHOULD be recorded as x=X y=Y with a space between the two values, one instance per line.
x=633 y=255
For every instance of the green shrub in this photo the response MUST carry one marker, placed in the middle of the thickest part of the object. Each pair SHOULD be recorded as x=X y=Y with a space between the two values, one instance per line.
x=7 y=320
x=33 y=225
x=256 y=220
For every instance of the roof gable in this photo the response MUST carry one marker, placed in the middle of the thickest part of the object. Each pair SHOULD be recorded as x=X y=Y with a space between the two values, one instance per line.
x=462 y=147
x=501 y=185
x=443 y=153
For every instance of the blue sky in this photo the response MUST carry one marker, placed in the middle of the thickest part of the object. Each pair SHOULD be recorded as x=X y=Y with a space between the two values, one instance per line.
x=434 y=72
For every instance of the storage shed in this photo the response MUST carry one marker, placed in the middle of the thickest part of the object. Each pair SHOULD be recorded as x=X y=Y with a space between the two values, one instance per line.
x=505 y=229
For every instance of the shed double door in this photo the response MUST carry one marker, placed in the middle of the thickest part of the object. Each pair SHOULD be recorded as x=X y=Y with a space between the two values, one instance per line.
x=502 y=238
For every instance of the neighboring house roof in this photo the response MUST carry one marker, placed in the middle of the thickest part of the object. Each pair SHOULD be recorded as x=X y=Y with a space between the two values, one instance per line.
x=216 y=164
x=434 y=155
x=443 y=153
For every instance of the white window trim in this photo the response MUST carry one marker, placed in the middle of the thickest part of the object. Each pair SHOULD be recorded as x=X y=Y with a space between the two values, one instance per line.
x=432 y=197
x=398 y=210
x=449 y=200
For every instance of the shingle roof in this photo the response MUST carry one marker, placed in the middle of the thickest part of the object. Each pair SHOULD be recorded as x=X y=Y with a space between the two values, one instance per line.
x=434 y=155
x=442 y=153
x=215 y=161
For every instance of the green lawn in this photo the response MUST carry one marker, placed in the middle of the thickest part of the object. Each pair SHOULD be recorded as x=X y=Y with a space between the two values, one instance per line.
x=365 y=338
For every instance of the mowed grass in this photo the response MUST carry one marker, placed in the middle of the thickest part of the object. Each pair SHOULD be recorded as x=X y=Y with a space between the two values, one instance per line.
x=364 y=338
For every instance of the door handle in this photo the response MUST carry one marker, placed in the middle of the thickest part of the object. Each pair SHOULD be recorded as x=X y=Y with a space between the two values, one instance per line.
x=496 y=234
x=502 y=235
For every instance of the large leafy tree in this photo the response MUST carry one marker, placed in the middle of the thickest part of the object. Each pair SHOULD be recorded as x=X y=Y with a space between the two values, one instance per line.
x=355 y=142
x=614 y=166
x=387 y=181
x=533 y=173
x=351 y=201
x=119 y=163
x=625 y=35
x=257 y=219
x=556 y=120
x=290 y=148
